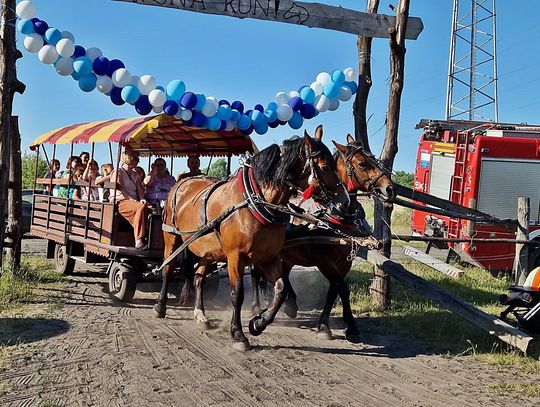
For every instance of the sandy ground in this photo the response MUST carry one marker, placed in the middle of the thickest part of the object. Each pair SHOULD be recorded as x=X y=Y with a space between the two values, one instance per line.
x=97 y=352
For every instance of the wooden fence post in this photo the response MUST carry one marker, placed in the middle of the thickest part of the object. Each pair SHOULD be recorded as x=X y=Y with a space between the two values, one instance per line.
x=521 y=261
x=14 y=219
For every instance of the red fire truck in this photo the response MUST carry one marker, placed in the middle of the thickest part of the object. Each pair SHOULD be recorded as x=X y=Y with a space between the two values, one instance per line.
x=485 y=166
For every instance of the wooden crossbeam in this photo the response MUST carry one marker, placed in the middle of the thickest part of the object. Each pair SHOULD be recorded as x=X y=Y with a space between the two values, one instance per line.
x=432 y=262
x=296 y=12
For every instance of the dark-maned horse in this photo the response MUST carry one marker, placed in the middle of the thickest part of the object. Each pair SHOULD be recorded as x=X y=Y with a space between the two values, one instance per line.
x=252 y=234
x=360 y=171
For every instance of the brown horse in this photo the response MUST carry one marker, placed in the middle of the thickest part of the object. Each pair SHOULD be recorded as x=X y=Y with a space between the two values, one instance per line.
x=360 y=171
x=253 y=233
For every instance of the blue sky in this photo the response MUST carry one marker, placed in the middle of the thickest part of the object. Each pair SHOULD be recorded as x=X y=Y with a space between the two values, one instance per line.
x=252 y=60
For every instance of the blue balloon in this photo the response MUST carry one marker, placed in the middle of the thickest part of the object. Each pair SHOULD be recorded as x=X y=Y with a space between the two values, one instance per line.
x=189 y=100
x=260 y=108
x=301 y=88
x=83 y=66
x=143 y=106
x=170 y=107
x=295 y=103
x=274 y=124
x=53 y=35
x=87 y=83
x=224 y=112
x=116 y=96
x=243 y=123
x=237 y=105
x=272 y=106
x=223 y=125
x=114 y=65
x=175 y=90
x=235 y=115
x=248 y=113
x=331 y=89
x=75 y=76
x=248 y=131
x=131 y=94
x=338 y=77
x=261 y=128
x=352 y=86
x=224 y=102
x=308 y=95
x=101 y=65
x=271 y=115
x=41 y=27
x=296 y=121
x=308 y=111
x=79 y=51
x=201 y=100
x=198 y=119
x=213 y=123
x=257 y=117
x=161 y=88
x=26 y=26
x=188 y=122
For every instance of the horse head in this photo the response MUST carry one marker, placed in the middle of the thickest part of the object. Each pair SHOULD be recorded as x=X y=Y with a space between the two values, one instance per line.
x=361 y=171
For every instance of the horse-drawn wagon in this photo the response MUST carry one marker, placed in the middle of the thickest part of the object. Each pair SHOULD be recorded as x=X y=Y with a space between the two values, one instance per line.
x=94 y=231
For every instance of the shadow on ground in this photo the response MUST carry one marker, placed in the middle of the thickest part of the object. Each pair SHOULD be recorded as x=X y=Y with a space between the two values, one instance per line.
x=27 y=330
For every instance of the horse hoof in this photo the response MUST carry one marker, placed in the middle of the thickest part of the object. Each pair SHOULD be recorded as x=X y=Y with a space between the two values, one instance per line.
x=324 y=334
x=159 y=312
x=291 y=310
x=203 y=325
x=352 y=336
x=253 y=329
x=241 y=346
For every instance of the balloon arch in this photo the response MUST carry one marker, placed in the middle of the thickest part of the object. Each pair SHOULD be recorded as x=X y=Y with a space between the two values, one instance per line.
x=93 y=71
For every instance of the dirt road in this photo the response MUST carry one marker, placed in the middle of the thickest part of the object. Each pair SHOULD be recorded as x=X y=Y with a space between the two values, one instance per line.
x=96 y=352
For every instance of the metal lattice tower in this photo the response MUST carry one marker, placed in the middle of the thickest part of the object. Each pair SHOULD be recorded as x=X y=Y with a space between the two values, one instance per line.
x=472 y=67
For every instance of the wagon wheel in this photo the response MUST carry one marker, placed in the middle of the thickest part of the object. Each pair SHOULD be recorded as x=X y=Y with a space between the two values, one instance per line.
x=63 y=263
x=122 y=281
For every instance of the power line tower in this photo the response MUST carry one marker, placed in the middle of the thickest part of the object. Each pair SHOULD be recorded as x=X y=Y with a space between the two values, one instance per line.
x=472 y=67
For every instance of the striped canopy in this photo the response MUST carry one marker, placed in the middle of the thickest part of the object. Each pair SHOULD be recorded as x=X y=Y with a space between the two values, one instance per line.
x=157 y=135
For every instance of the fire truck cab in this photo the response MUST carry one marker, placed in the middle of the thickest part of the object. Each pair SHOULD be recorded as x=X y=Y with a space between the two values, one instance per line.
x=485 y=166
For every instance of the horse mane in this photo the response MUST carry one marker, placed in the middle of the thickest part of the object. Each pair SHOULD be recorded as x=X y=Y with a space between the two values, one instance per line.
x=273 y=165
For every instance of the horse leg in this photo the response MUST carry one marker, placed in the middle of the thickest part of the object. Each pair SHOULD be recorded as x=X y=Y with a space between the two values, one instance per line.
x=352 y=333
x=323 y=325
x=171 y=244
x=291 y=307
x=198 y=310
x=235 y=265
x=259 y=323
x=255 y=297
x=188 y=267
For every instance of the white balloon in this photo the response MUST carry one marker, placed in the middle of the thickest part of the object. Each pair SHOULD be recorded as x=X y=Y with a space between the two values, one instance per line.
x=210 y=108
x=134 y=80
x=350 y=75
x=324 y=78
x=26 y=9
x=230 y=125
x=33 y=42
x=179 y=114
x=65 y=47
x=284 y=113
x=68 y=35
x=146 y=84
x=64 y=66
x=334 y=104
x=104 y=84
x=48 y=54
x=157 y=98
x=187 y=114
x=282 y=98
x=93 y=53
x=121 y=77
x=317 y=88
x=294 y=93
x=322 y=103
x=345 y=93
x=157 y=109
x=213 y=100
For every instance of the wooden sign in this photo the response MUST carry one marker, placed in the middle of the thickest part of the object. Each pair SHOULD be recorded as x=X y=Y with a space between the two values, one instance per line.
x=295 y=12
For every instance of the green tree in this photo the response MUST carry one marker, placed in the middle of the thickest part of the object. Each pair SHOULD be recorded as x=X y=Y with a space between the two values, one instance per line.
x=29 y=169
x=403 y=178
x=218 y=169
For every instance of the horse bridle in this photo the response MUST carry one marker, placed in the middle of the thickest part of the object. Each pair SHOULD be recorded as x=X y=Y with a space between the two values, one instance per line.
x=352 y=172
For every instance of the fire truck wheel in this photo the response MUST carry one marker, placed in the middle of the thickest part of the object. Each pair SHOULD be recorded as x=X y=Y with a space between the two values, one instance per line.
x=122 y=281
x=63 y=263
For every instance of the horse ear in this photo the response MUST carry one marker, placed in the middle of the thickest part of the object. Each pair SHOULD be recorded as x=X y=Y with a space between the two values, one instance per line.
x=340 y=147
x=350 y=139
x=319 y=132
x=310 y=142
x=306 y=133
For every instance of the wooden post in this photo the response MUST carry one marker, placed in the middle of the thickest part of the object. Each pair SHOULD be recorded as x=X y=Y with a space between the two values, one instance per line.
x=364 y=83
x=521 y=266
x=13 y=249
x=380 y=287
x=8 y=86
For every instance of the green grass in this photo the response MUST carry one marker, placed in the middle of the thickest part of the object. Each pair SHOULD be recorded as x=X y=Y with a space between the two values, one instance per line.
x=525 y=389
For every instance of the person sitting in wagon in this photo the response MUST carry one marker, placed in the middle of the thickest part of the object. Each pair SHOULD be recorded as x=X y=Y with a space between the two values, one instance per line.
x=193 y=164
x=91 y=173
x=52 y=173
x=130 y=196
x=158 y=183
x=71 y=166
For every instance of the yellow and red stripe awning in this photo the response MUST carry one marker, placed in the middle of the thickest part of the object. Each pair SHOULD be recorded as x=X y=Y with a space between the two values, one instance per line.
x=156 y=135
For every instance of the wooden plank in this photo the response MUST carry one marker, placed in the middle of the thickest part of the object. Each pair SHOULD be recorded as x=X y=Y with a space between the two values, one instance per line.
x=494 y=326
x=432 y=262
x=296 y=12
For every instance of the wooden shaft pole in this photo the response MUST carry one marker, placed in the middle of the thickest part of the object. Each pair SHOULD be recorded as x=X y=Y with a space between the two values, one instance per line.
x=13 y=250
x=521 y=266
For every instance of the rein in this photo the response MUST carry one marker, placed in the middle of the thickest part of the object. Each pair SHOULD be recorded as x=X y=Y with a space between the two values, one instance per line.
x=353 y=173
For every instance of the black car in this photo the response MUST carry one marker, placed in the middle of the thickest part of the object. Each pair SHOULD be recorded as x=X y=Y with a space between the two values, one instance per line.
x=27 y=200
